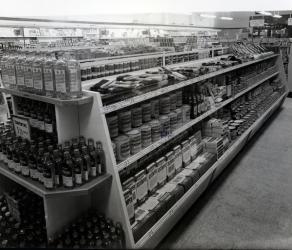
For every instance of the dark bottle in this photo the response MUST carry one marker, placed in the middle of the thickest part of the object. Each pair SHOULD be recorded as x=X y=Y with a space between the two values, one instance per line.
x=32 y=163
x=48 y=120
x=23 y=160
x=49 y=174
x=33 y=119
x=78 y=168
x=16 y=160
x=93 y=160
x=58 y=168
x=67 y=171
x=40 y=163
x=86 y=164
x=100 y=156
x=41 y=119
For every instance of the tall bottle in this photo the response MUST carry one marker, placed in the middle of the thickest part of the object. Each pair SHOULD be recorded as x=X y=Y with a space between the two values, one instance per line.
x=58 y=168
x=60 y=79
x=100 y=156
x=49 y=174
x=32 y=162
x=78 y=168
x=28 y=72
x=74 y=78
x=38 y=83
x=67 y=171
x=40 y=162
x=5 y=71
x=49 y=78
x=19 y=68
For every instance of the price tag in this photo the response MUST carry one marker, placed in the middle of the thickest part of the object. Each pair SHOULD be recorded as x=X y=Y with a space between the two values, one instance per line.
x=257 y=23
x=21 y=126
x=290 y=21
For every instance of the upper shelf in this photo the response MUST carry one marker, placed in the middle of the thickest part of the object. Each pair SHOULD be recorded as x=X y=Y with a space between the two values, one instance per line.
x=55 y=101
x=140 y=98
x=40 y=190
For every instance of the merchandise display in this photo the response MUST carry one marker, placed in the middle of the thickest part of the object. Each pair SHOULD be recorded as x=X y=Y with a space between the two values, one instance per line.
x=112 y=139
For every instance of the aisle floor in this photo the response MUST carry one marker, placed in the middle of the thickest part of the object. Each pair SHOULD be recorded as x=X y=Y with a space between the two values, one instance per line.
x=250 y=203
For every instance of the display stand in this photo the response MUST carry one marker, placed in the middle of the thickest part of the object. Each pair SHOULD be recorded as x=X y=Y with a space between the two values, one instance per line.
x=86 y=117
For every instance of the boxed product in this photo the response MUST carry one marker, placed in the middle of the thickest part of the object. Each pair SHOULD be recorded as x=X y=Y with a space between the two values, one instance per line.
x=141 y=187
x=193 y=173
x=161 y=165
x=130 y=184
x=178 y=163
x=203 y=162
x=152 y=178
x=130 y=205
x=170 y=169
x=185 y=181
x=186 y=153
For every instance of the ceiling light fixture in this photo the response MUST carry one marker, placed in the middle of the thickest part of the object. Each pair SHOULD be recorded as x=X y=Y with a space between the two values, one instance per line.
x=226 y=18
x=208 y=16
x=266 y=13
x=277 y=16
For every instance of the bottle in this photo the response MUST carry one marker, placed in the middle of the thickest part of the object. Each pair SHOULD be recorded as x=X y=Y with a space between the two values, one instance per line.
x=58 y=168
x=11 y=70
x=78 y=168
x=74 y=78
x=23 y=160
x=49 y=174
x=33 y=121
x=86 y=164
x=67 y=171
x=93 y=161
x=38 y=81
x=40 y=162
x=32 y=163
x=100 y=156
x=15 y=159
x=60 y=79
x=5 y=71
x=48 y=120
x=28 y=72
x=40 y=119
x=19 y=69
x=49 y=78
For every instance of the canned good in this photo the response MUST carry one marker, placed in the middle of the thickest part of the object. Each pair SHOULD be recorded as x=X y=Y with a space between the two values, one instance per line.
x=155 y=130
x=135 y=141
x=232 y=132
x=122 y=147
x=136 y=117
x=146 y=112
x=165 y=125
x=172 y=101
x=125 y=121
x=179 y=98
x=155 y=108
x=186 y=112
x=179 y=117
x=173 y=121
x=164 y=105
x=146 y=136
x=113 y=125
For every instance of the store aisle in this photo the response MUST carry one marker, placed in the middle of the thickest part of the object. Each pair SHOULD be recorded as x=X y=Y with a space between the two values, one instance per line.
x=250 y=204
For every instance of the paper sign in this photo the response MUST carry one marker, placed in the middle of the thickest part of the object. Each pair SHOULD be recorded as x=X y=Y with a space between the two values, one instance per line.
x=290 y=21
x=21 y=126
x=257 y=23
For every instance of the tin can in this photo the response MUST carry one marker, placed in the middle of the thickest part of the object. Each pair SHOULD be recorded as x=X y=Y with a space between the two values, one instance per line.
x=155 y=130
x=179 y=117
x=136 y=117
x=155 y=108
x=165 y=125
x=164 y=105
x=179 y=98
x=173 y=121
x=146 y=112
x=113 y=125
x=172 y=101
x=146 y=136
x=232 y=132
x=125 y=121
x=122 y=147
x=135 y=141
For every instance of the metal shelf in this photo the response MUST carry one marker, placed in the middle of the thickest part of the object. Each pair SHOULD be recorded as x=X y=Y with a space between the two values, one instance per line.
x=161 y=91
x=40 y=190
x=55 y=101
x=162 y=227
x=186 y=126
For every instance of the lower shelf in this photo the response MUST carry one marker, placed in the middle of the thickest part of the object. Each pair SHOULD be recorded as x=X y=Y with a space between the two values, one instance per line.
x=40 y=190
x=166 y=223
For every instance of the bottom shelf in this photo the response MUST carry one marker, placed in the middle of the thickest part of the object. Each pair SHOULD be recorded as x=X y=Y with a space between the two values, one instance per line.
x=165 y=224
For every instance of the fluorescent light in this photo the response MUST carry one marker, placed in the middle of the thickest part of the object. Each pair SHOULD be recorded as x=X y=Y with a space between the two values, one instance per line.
x=226 y=18
x=266 y=13
x=277 y=16
x=208 y=16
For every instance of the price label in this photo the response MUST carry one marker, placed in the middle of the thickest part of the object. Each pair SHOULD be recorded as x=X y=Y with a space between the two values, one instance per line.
x=21 y=126
x=290 y=21
x=257 y=23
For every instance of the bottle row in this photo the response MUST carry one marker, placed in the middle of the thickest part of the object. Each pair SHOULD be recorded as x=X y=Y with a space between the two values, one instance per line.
x=42 y=74
x=22 y=220
x=41 y=116
x=152 y=185
x=69 y=165
x=136 y=128
x=91 y=230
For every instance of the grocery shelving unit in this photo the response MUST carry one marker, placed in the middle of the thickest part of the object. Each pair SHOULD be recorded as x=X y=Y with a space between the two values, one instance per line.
x=116 y=199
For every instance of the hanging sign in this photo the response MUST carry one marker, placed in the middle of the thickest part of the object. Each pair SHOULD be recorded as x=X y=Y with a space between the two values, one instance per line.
x=257 y=23
x=21 y=126
x=290 y=21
